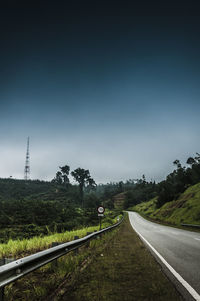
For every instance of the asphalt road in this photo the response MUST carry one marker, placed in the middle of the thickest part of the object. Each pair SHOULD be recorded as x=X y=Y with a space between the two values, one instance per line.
x=180 y=248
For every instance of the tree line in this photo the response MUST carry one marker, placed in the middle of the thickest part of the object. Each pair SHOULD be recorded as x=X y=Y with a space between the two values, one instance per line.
x=169 y=189
x=179 y=180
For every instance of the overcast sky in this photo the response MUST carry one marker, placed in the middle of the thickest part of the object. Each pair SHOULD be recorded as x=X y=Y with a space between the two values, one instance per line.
x=112 y=89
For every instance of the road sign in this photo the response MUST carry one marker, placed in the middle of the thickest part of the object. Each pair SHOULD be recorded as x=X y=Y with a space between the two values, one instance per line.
x=101 y=210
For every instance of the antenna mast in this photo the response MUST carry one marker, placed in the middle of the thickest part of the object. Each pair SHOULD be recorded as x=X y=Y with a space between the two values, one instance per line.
x=27 y=163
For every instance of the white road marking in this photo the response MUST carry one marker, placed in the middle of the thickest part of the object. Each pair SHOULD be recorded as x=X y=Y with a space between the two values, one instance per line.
x=197 y=238
x=188 y=287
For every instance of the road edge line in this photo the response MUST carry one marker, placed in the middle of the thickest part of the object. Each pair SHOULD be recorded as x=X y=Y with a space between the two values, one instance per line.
x=184 y=283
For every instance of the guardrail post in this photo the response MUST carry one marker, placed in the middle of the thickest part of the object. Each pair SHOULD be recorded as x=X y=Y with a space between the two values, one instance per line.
x=2 y=262
x=88 y=243
x=55 y=262
x=76 y=250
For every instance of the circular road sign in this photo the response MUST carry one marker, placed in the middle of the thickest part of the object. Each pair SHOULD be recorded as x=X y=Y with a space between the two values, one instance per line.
x=100 y=209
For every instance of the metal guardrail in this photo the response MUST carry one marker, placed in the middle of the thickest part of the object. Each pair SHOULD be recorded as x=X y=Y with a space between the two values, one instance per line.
x=190 y=225
x=13 y=271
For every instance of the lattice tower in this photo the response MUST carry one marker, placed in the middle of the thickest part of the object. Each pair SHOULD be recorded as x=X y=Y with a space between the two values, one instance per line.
x=27 y=163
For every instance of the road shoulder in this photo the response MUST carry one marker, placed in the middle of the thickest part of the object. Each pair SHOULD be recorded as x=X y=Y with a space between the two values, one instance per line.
x=123 y=270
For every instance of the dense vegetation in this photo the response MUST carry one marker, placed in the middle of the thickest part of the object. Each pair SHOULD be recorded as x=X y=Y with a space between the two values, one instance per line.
x=184 y=210
x=168 y=190
x=47 y=282
x=30 y=245
x=31 y=208
x=179 y=180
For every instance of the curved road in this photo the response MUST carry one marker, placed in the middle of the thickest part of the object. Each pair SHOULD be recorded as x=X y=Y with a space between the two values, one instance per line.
x=180 y=248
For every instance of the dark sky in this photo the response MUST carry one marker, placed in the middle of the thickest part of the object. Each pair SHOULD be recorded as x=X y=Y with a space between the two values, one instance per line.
x=111 y=87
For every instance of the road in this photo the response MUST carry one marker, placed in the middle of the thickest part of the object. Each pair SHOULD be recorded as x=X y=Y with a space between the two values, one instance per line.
x=180 y=248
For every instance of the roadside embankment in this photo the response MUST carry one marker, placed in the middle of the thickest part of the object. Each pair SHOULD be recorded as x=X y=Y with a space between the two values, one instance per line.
x=121 y=269
x=184 y=210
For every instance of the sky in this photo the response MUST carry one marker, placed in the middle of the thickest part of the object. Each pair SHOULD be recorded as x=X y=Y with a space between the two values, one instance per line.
x=113 y=88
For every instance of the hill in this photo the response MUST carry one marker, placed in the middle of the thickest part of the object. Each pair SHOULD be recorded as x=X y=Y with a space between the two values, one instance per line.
x=14 y=189
x=119 y=200
x=36 y=208
x=33 y=207
x=186 y=209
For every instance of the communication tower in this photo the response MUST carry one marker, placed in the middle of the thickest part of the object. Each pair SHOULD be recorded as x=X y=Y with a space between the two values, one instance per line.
x=27 y=163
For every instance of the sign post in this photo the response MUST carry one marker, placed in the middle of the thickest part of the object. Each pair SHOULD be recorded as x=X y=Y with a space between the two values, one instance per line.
x=100 y=210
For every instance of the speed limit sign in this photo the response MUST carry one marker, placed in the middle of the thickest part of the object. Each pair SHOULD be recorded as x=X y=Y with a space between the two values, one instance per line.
x=100 y=210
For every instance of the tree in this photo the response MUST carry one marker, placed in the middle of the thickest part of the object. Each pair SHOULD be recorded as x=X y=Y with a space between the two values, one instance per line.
x=194 y=171
x=191 y=161
x=65 y=174
x=177 y=163
x=91 y=184
x=144 y=179
x=62 y=176
x=120 y=186
x=58 y=178
x=82 y=176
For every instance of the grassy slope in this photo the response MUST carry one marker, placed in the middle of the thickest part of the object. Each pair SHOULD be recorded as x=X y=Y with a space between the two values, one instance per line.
x=48 y=281
x=123 y=270
x=115 y=267
x=186 y=209
x=20 y=248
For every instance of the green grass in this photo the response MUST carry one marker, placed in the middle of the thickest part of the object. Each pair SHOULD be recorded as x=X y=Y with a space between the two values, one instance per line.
x=184 y=210
x=115 y=267
x=146 y=208
x=40 y=284
x=123 y=270
x=19 y=248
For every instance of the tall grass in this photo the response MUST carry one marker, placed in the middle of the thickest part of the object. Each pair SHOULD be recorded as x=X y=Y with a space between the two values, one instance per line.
x=18 y=248
x=44 y=281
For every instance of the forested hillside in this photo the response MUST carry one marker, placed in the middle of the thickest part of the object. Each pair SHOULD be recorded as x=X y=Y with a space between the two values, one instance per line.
x=184 y=210
x=29 y=208
x=32 y=208
x=169 y=189
x=176 y=200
